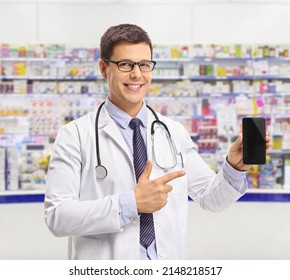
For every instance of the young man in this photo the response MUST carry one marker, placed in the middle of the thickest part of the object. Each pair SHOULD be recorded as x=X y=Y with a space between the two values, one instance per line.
x=127 y=207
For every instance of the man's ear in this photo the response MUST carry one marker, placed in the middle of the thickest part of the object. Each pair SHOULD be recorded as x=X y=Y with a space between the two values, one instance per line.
x=103 y=68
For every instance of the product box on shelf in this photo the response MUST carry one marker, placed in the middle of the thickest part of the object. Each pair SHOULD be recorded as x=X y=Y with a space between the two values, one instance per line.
x=33 y=164
x=2 y=169
x=271 y=174
x=12 y=172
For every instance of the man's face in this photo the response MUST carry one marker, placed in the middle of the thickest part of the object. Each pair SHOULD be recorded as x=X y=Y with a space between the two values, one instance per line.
x=127 y=89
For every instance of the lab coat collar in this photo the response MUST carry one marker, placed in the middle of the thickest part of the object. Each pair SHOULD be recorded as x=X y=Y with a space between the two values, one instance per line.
x=110 y=128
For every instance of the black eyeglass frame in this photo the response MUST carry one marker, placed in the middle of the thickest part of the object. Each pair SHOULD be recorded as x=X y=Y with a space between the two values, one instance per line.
x=133 y=64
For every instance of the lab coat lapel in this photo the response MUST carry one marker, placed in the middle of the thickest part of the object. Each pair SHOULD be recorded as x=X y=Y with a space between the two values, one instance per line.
x=149 y=139
x=110 y=128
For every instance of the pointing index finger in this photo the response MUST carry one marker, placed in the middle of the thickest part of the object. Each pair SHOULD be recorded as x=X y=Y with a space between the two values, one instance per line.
x=171 y=176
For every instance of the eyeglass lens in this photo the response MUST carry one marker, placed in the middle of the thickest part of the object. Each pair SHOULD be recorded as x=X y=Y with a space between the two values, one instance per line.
x=128 y=65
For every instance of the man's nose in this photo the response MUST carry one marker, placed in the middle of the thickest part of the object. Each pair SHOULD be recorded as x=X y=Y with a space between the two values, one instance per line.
x=136 y=72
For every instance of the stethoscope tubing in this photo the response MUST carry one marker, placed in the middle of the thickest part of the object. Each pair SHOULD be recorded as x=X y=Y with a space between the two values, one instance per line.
x=101 y=171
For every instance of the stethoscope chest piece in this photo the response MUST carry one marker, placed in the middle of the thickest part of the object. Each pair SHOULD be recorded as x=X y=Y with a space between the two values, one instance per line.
x=101 y=172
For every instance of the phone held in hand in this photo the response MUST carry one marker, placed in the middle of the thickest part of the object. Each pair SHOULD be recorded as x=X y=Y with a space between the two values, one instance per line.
x=254 y=140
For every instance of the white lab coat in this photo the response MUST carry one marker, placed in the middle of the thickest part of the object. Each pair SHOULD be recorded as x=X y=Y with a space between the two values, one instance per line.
x=86 y=209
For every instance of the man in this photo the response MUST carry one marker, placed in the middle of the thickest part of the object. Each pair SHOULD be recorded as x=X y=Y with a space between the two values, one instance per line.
x=127 y=207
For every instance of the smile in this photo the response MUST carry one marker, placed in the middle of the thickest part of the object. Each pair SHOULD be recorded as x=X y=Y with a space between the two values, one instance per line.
x=133 y=86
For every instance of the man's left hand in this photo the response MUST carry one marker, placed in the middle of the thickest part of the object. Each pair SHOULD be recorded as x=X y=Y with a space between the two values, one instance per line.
x=235 y=156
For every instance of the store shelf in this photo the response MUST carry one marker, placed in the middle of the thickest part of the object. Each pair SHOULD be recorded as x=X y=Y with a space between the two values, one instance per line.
x=25 y=59
x=268 y=191
x=279 y=152
x=231 y=78
x=222 y=59
x=252 y=195
x=168 y=77
x=266 y=195
x=51 y=95
x=31 y=196
x=45 y=59
x=216 y=78
x=52 y=78
x=12 y=118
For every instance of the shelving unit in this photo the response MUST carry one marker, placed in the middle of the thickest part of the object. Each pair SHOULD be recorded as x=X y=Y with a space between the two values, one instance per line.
x=48 y=86
x=252 y=195
x=31 y=196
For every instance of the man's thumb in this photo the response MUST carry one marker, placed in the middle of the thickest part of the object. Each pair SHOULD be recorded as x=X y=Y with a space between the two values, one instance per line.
x=237 y=144
x=147 y=170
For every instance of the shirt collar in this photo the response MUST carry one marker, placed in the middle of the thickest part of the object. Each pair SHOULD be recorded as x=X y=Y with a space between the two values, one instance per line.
x=122 y=118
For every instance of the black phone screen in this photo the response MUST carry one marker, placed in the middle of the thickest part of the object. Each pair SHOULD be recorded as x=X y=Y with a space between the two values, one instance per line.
x=254 y=143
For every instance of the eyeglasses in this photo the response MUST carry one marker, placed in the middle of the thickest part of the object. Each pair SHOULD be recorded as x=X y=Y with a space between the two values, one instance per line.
x=127 y=65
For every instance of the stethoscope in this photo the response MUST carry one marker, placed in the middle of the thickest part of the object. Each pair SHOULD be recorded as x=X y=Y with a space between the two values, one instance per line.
x=101 y=170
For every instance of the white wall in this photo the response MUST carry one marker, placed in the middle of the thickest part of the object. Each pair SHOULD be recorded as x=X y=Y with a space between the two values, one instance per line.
x=83 y=22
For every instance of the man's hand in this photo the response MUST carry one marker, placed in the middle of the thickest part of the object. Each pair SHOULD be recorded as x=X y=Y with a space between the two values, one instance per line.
x=151 y=195
x=235 y=156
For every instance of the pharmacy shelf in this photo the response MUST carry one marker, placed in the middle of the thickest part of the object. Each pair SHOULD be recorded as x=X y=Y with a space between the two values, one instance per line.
x=157 y=59
x=252 y=195
x=25 y=59
x=268 y=191
x=12 y=118
x=52 y=78
x=31 y=196
x=52 y=95
x=152 y=97
x=45 y=59
x=280 y=152
x=222 y=59
x=154 y=77
x=234 y=78
x=266 y=195
x=167 y=77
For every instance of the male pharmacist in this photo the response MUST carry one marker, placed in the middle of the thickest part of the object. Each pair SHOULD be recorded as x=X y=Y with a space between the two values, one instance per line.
x=117 y=192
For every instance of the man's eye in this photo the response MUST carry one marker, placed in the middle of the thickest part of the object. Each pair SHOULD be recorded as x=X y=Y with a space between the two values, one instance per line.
x=145 y=64
x=125 y=64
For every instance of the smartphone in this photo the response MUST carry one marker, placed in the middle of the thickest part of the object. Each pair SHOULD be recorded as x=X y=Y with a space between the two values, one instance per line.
x=254 y=140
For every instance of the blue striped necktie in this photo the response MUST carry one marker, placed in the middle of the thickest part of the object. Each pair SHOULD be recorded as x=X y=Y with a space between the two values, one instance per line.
x=147 y=234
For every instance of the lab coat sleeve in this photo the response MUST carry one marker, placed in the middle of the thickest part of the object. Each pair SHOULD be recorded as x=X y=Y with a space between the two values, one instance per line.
x=65 y=213
x=210 y=190
x=234 y=177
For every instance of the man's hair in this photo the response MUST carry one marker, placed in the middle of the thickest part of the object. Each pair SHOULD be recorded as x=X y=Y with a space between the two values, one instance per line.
x=123 y=32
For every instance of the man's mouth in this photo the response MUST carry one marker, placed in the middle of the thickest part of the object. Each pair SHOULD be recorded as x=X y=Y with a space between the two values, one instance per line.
x=133 y=86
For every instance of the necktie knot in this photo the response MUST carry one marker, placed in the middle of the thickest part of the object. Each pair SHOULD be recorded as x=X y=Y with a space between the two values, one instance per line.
x=135 y=123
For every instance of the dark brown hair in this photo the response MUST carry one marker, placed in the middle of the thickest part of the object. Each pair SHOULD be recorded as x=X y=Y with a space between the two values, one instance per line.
x=123 y=32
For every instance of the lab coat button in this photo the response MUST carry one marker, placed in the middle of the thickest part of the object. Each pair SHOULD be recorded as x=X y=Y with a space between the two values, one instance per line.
x=131 y=219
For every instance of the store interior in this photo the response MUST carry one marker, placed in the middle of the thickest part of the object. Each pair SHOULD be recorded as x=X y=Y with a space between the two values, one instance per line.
x=217 y=61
